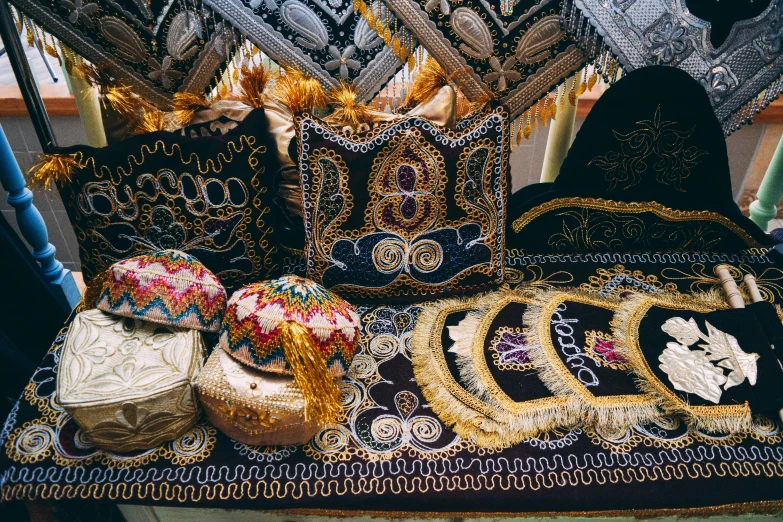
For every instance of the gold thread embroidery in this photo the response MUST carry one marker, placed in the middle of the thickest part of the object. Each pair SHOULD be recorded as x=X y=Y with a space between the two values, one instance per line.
x=655 y=137
x=501 y=336
x=469 y=416
x=625 y=328
x=593 y=339
x=616 y=207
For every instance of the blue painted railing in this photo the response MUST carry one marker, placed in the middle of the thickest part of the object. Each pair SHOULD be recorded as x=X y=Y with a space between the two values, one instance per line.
x=32 y=225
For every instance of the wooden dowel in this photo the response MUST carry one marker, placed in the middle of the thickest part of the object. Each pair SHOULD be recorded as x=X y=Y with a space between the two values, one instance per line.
x=753 y=289
x=733 y=296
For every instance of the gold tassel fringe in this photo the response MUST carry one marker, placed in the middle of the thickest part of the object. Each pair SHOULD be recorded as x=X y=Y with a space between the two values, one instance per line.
x=347 y=109
x=123 y=101
x=252 y=84
x=153 y=120
x=716 y=419
x=429 y=80
x=614 y=417
x=56 y=168
x=311 y=374
x=187 y=104
x=469 y=415
x=299 y=92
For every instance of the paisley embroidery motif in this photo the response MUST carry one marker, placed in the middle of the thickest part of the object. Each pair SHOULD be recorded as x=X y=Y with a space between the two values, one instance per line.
x=413 y=236
x=514 y=51
x=326 y=39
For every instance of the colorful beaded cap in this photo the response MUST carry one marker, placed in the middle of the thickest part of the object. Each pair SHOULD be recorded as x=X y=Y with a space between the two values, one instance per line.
x=168 y=287
x=252 y=325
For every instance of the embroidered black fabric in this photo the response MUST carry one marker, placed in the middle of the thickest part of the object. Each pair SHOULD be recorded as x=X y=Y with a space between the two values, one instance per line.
x=158 y=47
x=648 y=171
x=208 y=196
x=744 y=325
x=392 y=453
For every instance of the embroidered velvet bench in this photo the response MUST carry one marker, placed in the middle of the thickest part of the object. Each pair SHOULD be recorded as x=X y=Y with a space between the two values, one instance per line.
x=392 y=454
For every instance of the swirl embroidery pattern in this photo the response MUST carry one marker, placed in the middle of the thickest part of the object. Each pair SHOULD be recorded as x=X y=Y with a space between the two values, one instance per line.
x=421 y=232
x=657 y=141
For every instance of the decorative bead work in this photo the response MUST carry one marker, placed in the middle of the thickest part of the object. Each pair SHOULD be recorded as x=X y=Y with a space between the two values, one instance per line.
x=255 y=316
x=168 y=287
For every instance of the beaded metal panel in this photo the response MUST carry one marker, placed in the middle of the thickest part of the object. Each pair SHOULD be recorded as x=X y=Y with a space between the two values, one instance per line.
x=736 y=74
x=157 y=47
x=326 y=40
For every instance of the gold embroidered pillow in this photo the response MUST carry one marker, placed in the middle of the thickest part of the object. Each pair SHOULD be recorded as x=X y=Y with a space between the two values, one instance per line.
x=209 y=197
x=407 y=209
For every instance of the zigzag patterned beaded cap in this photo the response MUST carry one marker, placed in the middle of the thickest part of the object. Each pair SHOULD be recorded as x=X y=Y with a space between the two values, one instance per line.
x=251 y=330
x=168 y=287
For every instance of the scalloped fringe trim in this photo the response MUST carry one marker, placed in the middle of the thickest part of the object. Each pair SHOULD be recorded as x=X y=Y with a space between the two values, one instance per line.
x=499 y=428
x=740 y=417
x=618 y=415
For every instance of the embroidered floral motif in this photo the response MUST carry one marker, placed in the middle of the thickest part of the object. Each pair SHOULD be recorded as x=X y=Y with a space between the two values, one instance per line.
x=501 y=73
x=656 y=141
x=509 y=350
x=162 y=71
x=693 y=371
x=668 y=42
x=342 y=61
x=600 y=347
x=80 y=11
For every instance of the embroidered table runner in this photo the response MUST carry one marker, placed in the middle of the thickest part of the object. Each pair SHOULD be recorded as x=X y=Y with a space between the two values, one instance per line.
x=393 y=453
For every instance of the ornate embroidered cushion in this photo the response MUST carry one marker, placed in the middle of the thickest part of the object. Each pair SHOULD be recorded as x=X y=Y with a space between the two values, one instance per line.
x=251 y=406
x=157 y=47
x=127 y=383
x=209 y=197
x=712 y=366
x=407 y=209
x=327 y=41
x=256 y=315
x=512 y=51
x=167 y=287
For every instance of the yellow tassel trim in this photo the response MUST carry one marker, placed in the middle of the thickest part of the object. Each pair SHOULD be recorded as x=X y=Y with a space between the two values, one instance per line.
x=347 y=109
x=53 y=167
x=153 y=120
x=429 y=80
x=187 y=104
x=123 y=101
x=251 y=86
x=311 y=374
x=299 y=92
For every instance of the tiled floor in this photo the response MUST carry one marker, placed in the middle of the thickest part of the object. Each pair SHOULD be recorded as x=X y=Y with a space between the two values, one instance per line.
x=36 y=64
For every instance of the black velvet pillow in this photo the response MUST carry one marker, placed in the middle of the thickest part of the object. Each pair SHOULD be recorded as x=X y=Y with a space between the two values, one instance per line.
x=407 y=209
x=713 y=366
x=208 y=196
